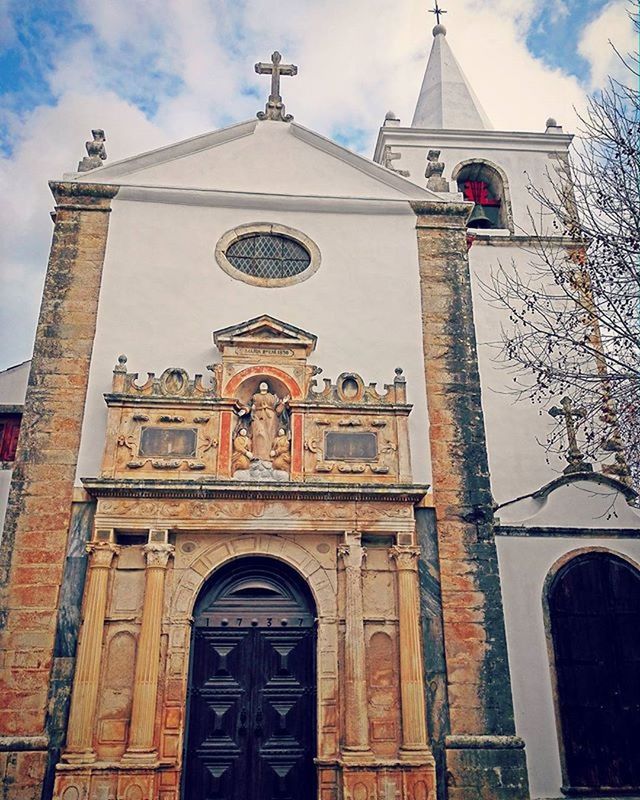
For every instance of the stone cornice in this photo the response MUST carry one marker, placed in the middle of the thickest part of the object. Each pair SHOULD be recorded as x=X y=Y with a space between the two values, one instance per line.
x=83 y=196
x=441 y=215
x=472 y=140
x=218 y=198
x=241 y=490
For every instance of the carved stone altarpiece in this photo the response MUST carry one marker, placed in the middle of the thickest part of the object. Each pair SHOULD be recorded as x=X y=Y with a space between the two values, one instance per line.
x=259 y=417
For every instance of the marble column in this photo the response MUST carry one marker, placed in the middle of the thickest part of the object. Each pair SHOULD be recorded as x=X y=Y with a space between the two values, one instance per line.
x=145 y=684
x=79 y=748
x=356 y=738
x=414 y=723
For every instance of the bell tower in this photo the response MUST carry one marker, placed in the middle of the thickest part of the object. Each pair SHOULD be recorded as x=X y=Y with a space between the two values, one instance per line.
x=452 y=149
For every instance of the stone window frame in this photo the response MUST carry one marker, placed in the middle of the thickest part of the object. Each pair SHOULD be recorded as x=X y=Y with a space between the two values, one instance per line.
x=505 y=193
x=558 y=566
x=242 y=231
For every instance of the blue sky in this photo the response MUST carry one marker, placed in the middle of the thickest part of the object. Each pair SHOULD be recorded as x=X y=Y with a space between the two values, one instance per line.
x=154 y=71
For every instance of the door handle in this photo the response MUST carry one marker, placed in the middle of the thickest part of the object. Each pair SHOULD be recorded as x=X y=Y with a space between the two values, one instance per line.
x=258 y=728
x=242 y=728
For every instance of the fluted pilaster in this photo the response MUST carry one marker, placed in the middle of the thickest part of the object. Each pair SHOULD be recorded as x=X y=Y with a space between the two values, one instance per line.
x=414 y=723
x=145 y=685
x=355 y=678
x=79 y=747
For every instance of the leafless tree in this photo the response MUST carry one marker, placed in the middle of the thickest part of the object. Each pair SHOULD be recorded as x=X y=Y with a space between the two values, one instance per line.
x=575 y=310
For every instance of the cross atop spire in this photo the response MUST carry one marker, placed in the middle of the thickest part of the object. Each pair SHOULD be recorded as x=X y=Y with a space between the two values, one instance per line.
x=274 y=108
x=438 y=12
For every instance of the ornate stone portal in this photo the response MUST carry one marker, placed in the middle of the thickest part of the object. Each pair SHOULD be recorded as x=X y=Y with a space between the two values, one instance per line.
x=257 y=461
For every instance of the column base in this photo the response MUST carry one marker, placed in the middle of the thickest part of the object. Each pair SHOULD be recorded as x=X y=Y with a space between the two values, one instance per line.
x=79 y=757
x=386 y=778
x=419 y=755
x=144 y=758
x=357 y=755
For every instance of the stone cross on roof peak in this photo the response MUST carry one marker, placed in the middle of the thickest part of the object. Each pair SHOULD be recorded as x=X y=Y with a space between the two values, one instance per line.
x=274 y=108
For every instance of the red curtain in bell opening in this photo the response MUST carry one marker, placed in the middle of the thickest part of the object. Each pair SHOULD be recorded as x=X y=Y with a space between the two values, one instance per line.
x=478 y=192
x=9 y=430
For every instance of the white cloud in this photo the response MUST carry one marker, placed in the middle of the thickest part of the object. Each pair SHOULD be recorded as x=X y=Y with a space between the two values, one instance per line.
x=613 y=27
x=189 y=63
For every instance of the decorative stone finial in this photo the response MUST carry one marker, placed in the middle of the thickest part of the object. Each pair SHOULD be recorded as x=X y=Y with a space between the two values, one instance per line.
x=433 y=173
x=388 y=157
x=391 y=120
x=552 y=126
x=121 y=366
x=439 y=30
x=274 y=109
x=575 y=458
x=96 y=152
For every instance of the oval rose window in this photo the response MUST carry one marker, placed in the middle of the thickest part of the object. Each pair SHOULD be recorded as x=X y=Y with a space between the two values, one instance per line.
x=268 y=255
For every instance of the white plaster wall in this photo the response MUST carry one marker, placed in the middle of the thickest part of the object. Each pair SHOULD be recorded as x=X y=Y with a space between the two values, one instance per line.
x=524 y=565
x=515 y=427
x=163 y=294
x=13 y=384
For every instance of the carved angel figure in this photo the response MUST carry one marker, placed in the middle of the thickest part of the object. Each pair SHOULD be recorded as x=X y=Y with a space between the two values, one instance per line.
x=281 y=453
x=242 y=455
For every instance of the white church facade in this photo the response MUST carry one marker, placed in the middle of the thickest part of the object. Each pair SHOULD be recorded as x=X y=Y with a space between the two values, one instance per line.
x=318 y=551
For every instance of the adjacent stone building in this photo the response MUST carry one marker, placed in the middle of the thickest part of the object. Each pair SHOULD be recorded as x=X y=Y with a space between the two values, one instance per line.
x=236 y=578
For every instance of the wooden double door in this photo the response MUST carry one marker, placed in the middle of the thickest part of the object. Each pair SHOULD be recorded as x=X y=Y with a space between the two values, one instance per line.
x=251 y=730
x=594 y=606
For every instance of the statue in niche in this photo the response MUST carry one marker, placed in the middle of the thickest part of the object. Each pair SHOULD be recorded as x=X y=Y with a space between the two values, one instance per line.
x=267 y=412
x=281 y=453
x=242 y=455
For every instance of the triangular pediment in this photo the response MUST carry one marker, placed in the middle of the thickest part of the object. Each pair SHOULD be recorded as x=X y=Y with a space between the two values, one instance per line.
x=265 y=331
x=260 y=158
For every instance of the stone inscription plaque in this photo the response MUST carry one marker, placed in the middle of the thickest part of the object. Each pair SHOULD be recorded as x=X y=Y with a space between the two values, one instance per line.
x=168 y=442
x=350 y=446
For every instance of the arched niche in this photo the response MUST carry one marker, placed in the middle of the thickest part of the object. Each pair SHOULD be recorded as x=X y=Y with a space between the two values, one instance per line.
x=487 y=185
x=592 y=610
x=245 y=383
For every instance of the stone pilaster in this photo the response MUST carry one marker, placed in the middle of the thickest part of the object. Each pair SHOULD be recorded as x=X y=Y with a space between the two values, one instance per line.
x=79 y=749
x=34 y=543
x=481 y=738
x=145 y=686
x=414 y=718
x=356 y=740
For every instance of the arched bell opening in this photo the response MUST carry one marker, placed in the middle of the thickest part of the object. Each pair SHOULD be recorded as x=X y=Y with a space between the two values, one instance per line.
x=486 y=186
x=251 y=701
x=593 y=611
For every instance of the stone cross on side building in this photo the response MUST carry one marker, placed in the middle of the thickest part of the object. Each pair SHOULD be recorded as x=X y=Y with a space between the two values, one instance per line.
x=274 y=108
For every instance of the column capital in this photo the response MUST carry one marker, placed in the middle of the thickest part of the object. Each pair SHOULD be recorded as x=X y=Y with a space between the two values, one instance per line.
x=158 y=554
x=353 y=555
x=405 y=556
x=101 y=553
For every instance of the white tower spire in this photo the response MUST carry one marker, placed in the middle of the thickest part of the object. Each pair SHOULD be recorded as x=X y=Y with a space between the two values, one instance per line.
x=446 y=99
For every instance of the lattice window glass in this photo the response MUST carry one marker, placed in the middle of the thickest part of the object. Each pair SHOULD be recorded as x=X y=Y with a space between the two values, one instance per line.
x=268 y=255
